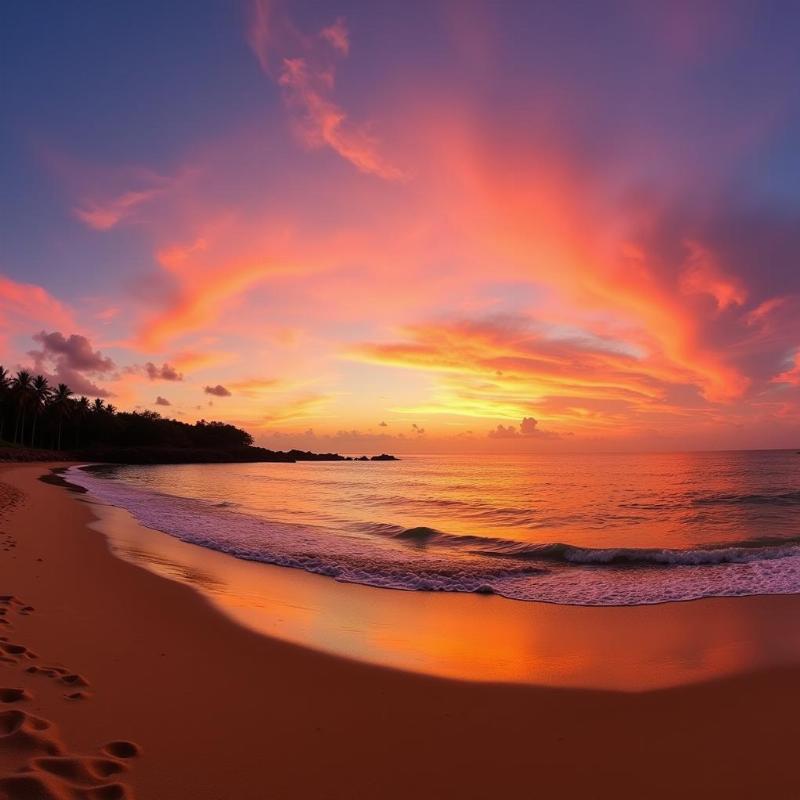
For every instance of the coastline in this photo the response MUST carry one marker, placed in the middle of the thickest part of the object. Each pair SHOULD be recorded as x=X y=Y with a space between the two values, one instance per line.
x=221 y=711
x=471 y=636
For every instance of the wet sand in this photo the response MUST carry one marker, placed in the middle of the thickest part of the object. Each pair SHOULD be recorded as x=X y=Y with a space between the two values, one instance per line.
x=475 y=637
x=219 y=710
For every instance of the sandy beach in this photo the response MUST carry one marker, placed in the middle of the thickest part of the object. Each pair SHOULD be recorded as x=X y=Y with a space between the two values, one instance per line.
x=117 y=682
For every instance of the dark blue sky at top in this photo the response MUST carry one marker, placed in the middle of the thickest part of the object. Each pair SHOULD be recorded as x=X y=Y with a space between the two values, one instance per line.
x=108 y=83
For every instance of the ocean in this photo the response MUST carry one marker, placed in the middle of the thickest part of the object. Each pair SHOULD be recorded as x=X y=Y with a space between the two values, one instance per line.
x=595 y=530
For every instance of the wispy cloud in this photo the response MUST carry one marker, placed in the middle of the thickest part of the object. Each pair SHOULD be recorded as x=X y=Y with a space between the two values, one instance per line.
x=254 y=387
x=116 y=195
x=304 y=66
x=508 y=368
x=25 y=304
x=104 y=215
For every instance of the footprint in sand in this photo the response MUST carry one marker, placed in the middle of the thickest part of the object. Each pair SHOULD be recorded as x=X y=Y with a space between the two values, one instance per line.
x=42 y=768
x=11 y=653
x=8 y=603
x=122 y=749
x=79 y=769
x=77 y=695
x=40 y=786
x=14 y=695
x=48 y=772
x=73 y=679
x=21 y=731
x=60 y=674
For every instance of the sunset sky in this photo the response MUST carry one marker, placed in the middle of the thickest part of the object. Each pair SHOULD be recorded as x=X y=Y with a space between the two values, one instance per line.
x=411 y=227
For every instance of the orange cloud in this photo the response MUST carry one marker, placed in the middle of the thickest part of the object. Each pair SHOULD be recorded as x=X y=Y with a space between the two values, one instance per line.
x=703 y=275
x=507 y=369
x=542 y=216
x=254 y=387
x=293 y=409
x=199 y=304
x=189 y=360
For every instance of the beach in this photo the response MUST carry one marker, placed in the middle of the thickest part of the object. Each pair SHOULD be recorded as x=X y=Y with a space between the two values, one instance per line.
x=202 y=707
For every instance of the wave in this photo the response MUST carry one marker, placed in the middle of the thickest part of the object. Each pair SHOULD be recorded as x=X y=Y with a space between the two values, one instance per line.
x=423 y=558
x=734 y=553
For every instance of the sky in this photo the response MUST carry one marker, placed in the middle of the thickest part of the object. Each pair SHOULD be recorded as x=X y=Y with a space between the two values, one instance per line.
x=447 y=226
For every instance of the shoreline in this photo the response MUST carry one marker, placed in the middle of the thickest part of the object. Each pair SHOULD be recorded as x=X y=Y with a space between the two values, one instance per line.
x=469 y=636
x=223 y=712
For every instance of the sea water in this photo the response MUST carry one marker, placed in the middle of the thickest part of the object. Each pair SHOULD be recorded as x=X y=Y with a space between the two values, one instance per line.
x=596 y=529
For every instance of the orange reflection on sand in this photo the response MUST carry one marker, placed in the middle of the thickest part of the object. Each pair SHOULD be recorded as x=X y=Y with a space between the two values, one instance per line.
x=472 y=637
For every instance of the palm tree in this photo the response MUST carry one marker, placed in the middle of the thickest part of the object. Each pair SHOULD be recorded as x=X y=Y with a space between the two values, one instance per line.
x=62 y=403
x=97 y=406
x=21 y=387
x=40 y=394
x=110 y=410
x=5 y=387
x=80 y=409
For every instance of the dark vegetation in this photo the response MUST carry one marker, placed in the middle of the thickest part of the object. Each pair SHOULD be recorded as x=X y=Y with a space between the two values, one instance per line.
x=40 y=422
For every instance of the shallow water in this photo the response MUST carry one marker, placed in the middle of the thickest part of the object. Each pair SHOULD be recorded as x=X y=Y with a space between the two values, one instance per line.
x=571 y=529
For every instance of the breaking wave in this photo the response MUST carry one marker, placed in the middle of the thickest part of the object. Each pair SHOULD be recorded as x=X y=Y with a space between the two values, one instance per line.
x=611 y=556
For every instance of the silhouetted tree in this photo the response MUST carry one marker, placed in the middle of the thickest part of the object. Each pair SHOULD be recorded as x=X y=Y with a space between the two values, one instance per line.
x=5 y=392
x=57 y=415
x=21 y=390
x=62 y=406
x=39 y=395
x=80 y=411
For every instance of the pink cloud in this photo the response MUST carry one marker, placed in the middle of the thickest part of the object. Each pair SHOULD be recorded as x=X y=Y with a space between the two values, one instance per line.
x=337 y=36
x=104 y=215
x=25 y=305
x=791 y=375
x=305 y=69
x=107 y=196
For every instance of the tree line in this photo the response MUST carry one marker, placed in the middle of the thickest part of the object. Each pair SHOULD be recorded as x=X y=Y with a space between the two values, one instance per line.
x=33 y=413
